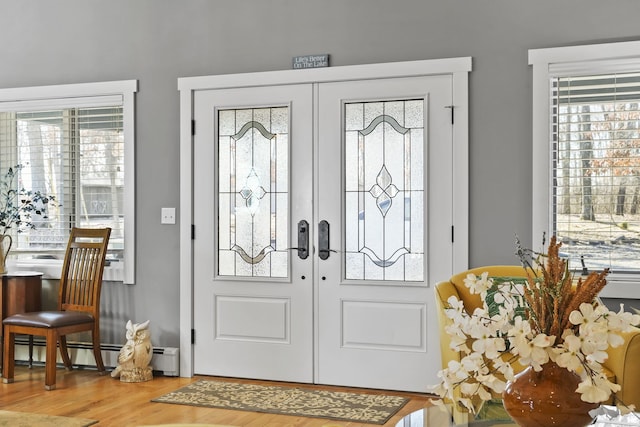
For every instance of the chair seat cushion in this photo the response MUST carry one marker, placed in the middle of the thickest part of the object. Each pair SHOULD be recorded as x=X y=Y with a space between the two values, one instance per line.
x=49 y=319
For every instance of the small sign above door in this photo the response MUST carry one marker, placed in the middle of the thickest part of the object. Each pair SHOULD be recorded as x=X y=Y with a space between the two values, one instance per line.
x=310 y=61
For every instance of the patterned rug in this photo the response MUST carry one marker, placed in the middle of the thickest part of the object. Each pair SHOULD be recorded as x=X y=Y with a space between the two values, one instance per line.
x=28 y=419
x=343 y=406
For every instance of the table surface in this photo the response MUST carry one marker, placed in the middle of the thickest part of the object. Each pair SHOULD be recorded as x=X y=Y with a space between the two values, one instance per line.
x=440 y=416
x=21 y=274
x=495 y=416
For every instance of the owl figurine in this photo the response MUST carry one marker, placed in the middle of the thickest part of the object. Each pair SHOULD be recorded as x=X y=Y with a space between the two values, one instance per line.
x=135 y=355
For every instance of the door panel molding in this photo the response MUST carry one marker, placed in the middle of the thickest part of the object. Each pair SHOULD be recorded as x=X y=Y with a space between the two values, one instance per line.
x=389 y=317
x=272 y=322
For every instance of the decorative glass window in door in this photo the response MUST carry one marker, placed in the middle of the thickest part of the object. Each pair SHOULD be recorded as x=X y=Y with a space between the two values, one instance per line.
x=253 y=192
x=384 y=194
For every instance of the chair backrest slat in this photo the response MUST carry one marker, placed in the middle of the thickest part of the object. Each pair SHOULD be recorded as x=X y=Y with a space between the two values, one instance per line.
x=81 y=280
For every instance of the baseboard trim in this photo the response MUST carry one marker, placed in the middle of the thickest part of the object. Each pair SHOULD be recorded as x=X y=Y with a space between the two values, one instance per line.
x=165 y=361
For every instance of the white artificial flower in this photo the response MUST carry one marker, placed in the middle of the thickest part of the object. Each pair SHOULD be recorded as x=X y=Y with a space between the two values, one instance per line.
x=456 y=370
x=585 y=317
x=622 y=320
x=504 y=367
x=534 y=352
x=442 y=389
x=478 y=285
x=510 y=304
x=470 y=280
x=455 y=310
x=594 y=345
x=455 y=303
x=591 y=393
x=501 y=323
x=458 y=339
x=474 y=363
x=520 y=332
x=596 y=388
x=492 y=382
x=489 y=346
x=615 y=340
x=483 y=393
x=568 y=356
x=612 y=323
x=480 y=314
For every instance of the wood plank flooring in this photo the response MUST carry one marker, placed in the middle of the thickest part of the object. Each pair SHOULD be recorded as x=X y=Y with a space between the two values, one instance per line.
x=85 y=394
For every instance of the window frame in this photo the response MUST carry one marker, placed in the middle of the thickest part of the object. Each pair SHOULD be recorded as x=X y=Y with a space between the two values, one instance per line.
x=546 y=64
x=44 y=95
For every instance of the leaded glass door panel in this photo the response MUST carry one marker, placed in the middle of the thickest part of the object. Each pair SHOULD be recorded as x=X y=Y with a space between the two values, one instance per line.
x=253 y=294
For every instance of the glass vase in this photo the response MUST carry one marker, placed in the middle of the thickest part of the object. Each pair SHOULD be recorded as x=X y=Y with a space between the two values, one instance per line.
x=546 y=398
x=5 y=245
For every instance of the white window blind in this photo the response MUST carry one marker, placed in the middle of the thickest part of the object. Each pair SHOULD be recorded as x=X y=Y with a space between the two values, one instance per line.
x=595 y=128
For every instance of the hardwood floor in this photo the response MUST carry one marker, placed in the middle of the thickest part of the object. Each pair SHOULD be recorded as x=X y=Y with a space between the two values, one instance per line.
x=85 y=394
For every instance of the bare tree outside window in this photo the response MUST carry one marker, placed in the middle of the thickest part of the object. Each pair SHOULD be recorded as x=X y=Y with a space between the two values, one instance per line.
x=597 y=173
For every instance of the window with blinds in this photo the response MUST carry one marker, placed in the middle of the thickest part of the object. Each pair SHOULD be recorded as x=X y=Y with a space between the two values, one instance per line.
x=75 y=155
x=76 y=143
x=596 y=170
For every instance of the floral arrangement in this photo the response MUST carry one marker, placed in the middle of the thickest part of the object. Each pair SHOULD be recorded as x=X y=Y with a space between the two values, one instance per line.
x=545 y=317
x=17 y=205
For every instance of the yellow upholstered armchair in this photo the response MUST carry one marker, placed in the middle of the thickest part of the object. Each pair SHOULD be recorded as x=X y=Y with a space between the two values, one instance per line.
x=622 y=365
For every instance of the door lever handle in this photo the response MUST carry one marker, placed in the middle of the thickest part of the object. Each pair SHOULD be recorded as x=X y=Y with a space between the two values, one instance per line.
x=303 y=239
x=323 y=240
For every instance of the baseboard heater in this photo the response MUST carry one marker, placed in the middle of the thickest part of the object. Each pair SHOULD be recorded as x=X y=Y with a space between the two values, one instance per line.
x=165 y=361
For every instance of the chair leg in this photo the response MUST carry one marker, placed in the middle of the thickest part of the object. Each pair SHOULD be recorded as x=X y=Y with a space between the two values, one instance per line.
x=8 y=362
x=50 y=361
x=64 y=352
x=30 y=351
x=97 y=353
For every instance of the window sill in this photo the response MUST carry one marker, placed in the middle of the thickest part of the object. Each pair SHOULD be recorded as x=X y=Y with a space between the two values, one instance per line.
x=52 y=269
x=622 y=286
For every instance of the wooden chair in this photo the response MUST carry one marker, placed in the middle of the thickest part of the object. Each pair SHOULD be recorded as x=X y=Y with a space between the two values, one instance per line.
x=78 y=306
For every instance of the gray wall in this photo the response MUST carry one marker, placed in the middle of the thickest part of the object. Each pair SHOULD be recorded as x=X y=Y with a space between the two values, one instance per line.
x=157 y=41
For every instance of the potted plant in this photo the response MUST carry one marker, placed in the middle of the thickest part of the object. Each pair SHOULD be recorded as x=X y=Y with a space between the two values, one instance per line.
x=548 y=322
x=17 y=204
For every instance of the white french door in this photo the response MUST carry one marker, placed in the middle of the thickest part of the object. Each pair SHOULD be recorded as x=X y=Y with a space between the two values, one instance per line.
x=252 y=184
x=323 y=211
x=389 y=209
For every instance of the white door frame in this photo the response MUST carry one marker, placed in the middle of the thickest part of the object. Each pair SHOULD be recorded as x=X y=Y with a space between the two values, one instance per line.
x=458 y=68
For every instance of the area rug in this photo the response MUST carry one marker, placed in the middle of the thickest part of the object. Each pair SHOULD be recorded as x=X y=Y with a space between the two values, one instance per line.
x=29 y=419
x=343 y=406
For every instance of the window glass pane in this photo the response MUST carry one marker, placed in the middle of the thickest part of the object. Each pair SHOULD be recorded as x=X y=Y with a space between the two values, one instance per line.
x=385 y=192
x=253 y=199
x=596 y=165
x=102 y=171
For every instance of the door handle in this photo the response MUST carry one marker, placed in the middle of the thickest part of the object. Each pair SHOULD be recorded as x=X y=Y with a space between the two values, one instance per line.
x=303 y=239
x=323 y=240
